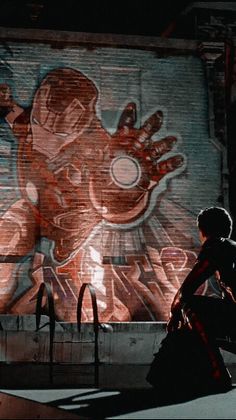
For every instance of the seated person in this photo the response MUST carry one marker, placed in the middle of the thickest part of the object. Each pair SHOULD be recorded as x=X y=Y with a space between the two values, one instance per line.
x=207 y=318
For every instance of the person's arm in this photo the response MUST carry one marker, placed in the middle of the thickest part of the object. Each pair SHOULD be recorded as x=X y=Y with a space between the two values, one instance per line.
x=201 y=271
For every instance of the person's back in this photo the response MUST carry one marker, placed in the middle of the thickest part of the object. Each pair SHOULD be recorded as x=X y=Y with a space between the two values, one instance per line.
x=221 y=253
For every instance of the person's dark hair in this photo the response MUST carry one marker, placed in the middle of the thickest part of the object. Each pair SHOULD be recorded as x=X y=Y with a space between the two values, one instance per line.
x=215 y=221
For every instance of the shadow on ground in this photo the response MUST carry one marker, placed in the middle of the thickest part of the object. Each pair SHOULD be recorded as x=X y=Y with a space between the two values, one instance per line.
x=101 y=404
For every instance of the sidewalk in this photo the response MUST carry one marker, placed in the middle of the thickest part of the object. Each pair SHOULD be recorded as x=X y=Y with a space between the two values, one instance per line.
x=104 y=404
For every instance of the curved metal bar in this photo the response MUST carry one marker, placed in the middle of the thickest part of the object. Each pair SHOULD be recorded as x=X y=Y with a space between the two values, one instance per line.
x=46 y=287
x=96 y=323
x=94 y=304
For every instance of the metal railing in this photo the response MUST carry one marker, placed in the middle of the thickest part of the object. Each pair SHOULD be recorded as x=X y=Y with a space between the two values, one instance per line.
x=46 y=288
x=96 y=324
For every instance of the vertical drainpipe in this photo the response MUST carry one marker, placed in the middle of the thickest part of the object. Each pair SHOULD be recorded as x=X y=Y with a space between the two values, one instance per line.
x=212 y=53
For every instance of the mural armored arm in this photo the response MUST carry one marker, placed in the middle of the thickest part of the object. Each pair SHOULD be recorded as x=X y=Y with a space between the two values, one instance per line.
x=9 y=109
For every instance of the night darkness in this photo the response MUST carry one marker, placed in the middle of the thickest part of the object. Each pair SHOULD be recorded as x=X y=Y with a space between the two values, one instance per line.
x=148 y=18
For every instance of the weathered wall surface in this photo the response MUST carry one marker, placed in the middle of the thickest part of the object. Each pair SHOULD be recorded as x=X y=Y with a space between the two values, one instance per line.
x=125 y=354
x=105 y=162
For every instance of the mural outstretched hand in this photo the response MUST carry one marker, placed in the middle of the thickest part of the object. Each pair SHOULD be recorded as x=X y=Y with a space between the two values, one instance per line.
x=133 y=165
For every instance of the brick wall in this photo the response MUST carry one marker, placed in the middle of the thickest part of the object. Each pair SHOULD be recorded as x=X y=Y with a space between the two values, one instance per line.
x=105 y=163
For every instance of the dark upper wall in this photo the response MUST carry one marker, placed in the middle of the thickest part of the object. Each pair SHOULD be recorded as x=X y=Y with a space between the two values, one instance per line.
x=142 y=18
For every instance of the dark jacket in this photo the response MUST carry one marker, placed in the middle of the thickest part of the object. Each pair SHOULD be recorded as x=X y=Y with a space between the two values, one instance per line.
x=217 y=255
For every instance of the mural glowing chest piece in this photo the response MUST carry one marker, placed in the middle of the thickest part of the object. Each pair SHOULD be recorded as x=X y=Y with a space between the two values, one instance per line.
x=125 y=172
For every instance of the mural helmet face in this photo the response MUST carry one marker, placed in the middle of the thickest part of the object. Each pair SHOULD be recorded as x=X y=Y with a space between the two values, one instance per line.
x=64 y=106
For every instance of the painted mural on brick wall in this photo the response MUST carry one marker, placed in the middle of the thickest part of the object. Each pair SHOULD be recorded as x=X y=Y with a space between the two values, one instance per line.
x=92 y=203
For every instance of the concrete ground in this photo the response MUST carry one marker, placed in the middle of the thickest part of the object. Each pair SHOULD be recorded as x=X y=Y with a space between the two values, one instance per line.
x=90 y=403
x=132 y=398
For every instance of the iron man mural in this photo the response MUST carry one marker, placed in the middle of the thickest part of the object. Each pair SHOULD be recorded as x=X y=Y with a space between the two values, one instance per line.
x=87 y=192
